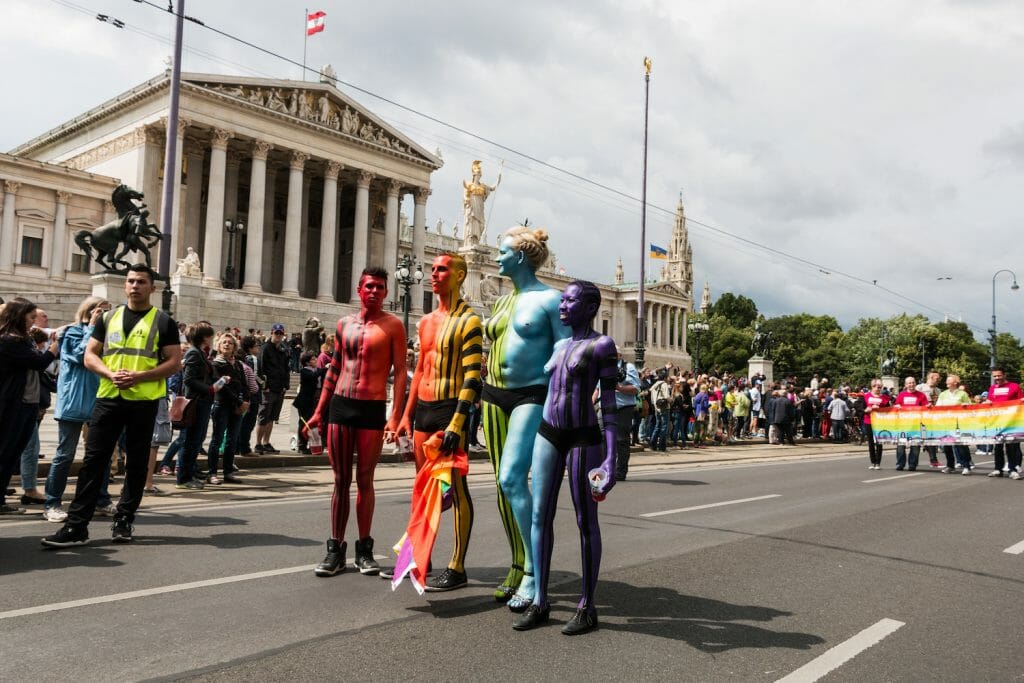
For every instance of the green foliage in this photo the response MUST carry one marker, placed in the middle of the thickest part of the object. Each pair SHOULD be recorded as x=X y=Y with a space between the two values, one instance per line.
x=805 y=344
x=739 y=311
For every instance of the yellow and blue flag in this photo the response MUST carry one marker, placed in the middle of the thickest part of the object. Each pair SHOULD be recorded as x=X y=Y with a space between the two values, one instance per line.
x=658 y=252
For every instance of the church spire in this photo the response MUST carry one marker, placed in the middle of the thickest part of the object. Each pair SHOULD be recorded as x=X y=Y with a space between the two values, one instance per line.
x=679 y=269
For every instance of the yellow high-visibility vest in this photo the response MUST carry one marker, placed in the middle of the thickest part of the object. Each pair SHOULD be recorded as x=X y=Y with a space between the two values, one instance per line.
x=135 y=351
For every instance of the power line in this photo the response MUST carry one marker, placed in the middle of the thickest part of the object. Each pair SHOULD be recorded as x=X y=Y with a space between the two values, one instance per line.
x=825 y=270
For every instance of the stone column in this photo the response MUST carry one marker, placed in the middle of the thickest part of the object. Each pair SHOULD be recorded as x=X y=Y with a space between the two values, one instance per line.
x=268 y=266
x=215 y=209
x=190 y=225
x=293 y=227
x=391 y=233
x=58 y=251
x=664 y=326
x=649 y=321
x=328 y=232
x=419 y=226
x=361 y=233
x=8 y=229
x=254 y=221
x=176 y=247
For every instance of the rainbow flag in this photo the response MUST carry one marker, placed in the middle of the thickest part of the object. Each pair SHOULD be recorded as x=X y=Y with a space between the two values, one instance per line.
x=433 y=481
x=949 y=425
x=658 y=252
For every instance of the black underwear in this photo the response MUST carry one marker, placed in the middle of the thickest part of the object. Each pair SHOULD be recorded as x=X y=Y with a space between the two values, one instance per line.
x=565 y=439
x=510 y=399
x=434 y=416
x=359 y=413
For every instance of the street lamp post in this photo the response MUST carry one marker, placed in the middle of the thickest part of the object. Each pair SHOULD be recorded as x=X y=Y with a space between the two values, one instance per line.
x=406 y=275
x=992 y=332
x=640 y=347
x=697 y=329
x=921 y=348
x=232 y=228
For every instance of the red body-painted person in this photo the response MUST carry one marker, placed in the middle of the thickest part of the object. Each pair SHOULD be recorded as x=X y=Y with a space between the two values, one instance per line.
x=367 y=346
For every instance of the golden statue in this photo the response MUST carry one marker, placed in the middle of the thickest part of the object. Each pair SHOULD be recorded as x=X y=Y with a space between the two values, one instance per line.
x=473 y=199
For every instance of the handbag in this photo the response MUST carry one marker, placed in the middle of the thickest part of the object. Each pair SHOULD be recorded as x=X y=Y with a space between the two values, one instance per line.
x=182 y=412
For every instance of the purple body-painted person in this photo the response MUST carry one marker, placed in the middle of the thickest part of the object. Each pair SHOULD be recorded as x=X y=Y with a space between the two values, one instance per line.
x=571 y=435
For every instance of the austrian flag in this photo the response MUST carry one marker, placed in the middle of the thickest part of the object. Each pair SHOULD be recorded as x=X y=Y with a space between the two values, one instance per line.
x=315 y=22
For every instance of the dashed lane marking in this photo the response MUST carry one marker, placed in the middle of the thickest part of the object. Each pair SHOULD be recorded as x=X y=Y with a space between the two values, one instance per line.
x=710 y=505
x=898 y=476
x=835 y=657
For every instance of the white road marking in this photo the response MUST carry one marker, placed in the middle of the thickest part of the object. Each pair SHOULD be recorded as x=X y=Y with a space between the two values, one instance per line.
x=843 y=652
x=710 y=505
x=898 y=476
x=146 y=592
x=1015 y=549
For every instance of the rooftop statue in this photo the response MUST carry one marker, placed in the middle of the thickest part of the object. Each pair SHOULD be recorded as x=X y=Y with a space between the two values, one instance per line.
x=476 y=193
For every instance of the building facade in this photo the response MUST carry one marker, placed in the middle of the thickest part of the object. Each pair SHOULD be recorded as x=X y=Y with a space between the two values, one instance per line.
x=315 y=182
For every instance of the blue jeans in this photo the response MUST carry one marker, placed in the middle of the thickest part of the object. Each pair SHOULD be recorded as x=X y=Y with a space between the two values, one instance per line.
x=659 y=433
x=901 y=456
x=30 y=460
x=68 y=434
x=173 y=448
x=194 y=437
x=225 y=438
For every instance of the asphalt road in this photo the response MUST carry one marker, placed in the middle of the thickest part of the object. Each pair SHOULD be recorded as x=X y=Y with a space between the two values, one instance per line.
x=822 y=568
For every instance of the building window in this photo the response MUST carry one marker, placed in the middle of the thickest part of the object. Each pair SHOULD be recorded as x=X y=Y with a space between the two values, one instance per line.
x=79 y=263
x=32 y=251
x=428 y=302
x=604 y=327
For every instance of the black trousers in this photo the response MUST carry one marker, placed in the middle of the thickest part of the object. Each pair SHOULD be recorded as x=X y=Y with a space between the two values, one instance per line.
x=110 y=418
x=1011 y=453
x=624 y=424
x=874 y=449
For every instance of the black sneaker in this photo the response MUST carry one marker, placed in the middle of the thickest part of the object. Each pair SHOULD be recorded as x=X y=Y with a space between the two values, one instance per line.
x=121 y=531
x=66 y=537
x=334 y=561
x=270 y=449
x=448 y=580
x=258 y=449
x=386 y=573
x=364 y=557
x=583 y=621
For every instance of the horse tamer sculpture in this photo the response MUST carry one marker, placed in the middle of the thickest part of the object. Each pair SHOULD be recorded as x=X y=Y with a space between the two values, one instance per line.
x=130 y=231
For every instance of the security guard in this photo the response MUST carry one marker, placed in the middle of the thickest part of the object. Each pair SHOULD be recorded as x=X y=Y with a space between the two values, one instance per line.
x=133 y=349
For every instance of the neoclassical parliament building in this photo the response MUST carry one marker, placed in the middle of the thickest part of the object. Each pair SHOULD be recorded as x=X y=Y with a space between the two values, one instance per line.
x=315 y=180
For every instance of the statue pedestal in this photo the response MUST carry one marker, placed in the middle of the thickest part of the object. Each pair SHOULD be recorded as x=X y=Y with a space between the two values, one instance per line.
x=760 y=366
x=890 y=381
x=475 y=256
x=110 y=286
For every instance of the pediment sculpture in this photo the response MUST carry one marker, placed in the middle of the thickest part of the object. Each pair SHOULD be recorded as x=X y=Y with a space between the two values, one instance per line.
x=315 y=107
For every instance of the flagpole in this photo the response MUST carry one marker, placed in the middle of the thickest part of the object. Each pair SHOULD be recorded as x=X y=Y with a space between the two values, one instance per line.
x=305 y=39
x=172 y=168
x=641 y=327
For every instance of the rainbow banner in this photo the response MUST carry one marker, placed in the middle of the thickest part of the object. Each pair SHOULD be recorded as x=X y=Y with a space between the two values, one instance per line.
x=950 y=425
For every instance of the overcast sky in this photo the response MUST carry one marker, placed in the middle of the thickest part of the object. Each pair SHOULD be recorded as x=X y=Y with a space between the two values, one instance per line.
x=884 y=140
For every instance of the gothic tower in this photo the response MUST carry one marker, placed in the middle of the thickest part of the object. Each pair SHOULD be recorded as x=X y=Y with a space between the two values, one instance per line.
x=679 y=269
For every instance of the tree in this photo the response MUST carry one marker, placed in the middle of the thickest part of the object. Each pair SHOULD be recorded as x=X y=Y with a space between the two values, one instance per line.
x=738 y=310
x=1010 y=355
x=795 y=335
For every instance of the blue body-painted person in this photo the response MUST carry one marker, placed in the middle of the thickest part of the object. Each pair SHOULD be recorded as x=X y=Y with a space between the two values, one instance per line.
x=570 y=435
x=523 y=329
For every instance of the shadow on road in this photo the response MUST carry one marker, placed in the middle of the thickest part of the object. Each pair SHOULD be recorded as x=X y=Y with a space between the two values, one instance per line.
x=671 y=482
x=706 y=624
x=25 y=554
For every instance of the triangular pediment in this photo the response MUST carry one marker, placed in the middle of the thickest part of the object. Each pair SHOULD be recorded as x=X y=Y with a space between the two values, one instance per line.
x=318 y=104
x=34 y=214
x=667 y=288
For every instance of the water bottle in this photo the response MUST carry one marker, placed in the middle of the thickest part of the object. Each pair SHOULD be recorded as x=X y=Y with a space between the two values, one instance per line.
x=219 y=384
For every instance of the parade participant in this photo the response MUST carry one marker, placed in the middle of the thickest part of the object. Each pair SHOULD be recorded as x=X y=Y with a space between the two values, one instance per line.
x=133 y=349
x=874 y=399
x=1000 y=391
x=910 y=397
x=570 y=435
x=444 y=387
x=959 y=454
x=626 y=391
x=367 y=345
x=930 y=388
x=523 y=329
